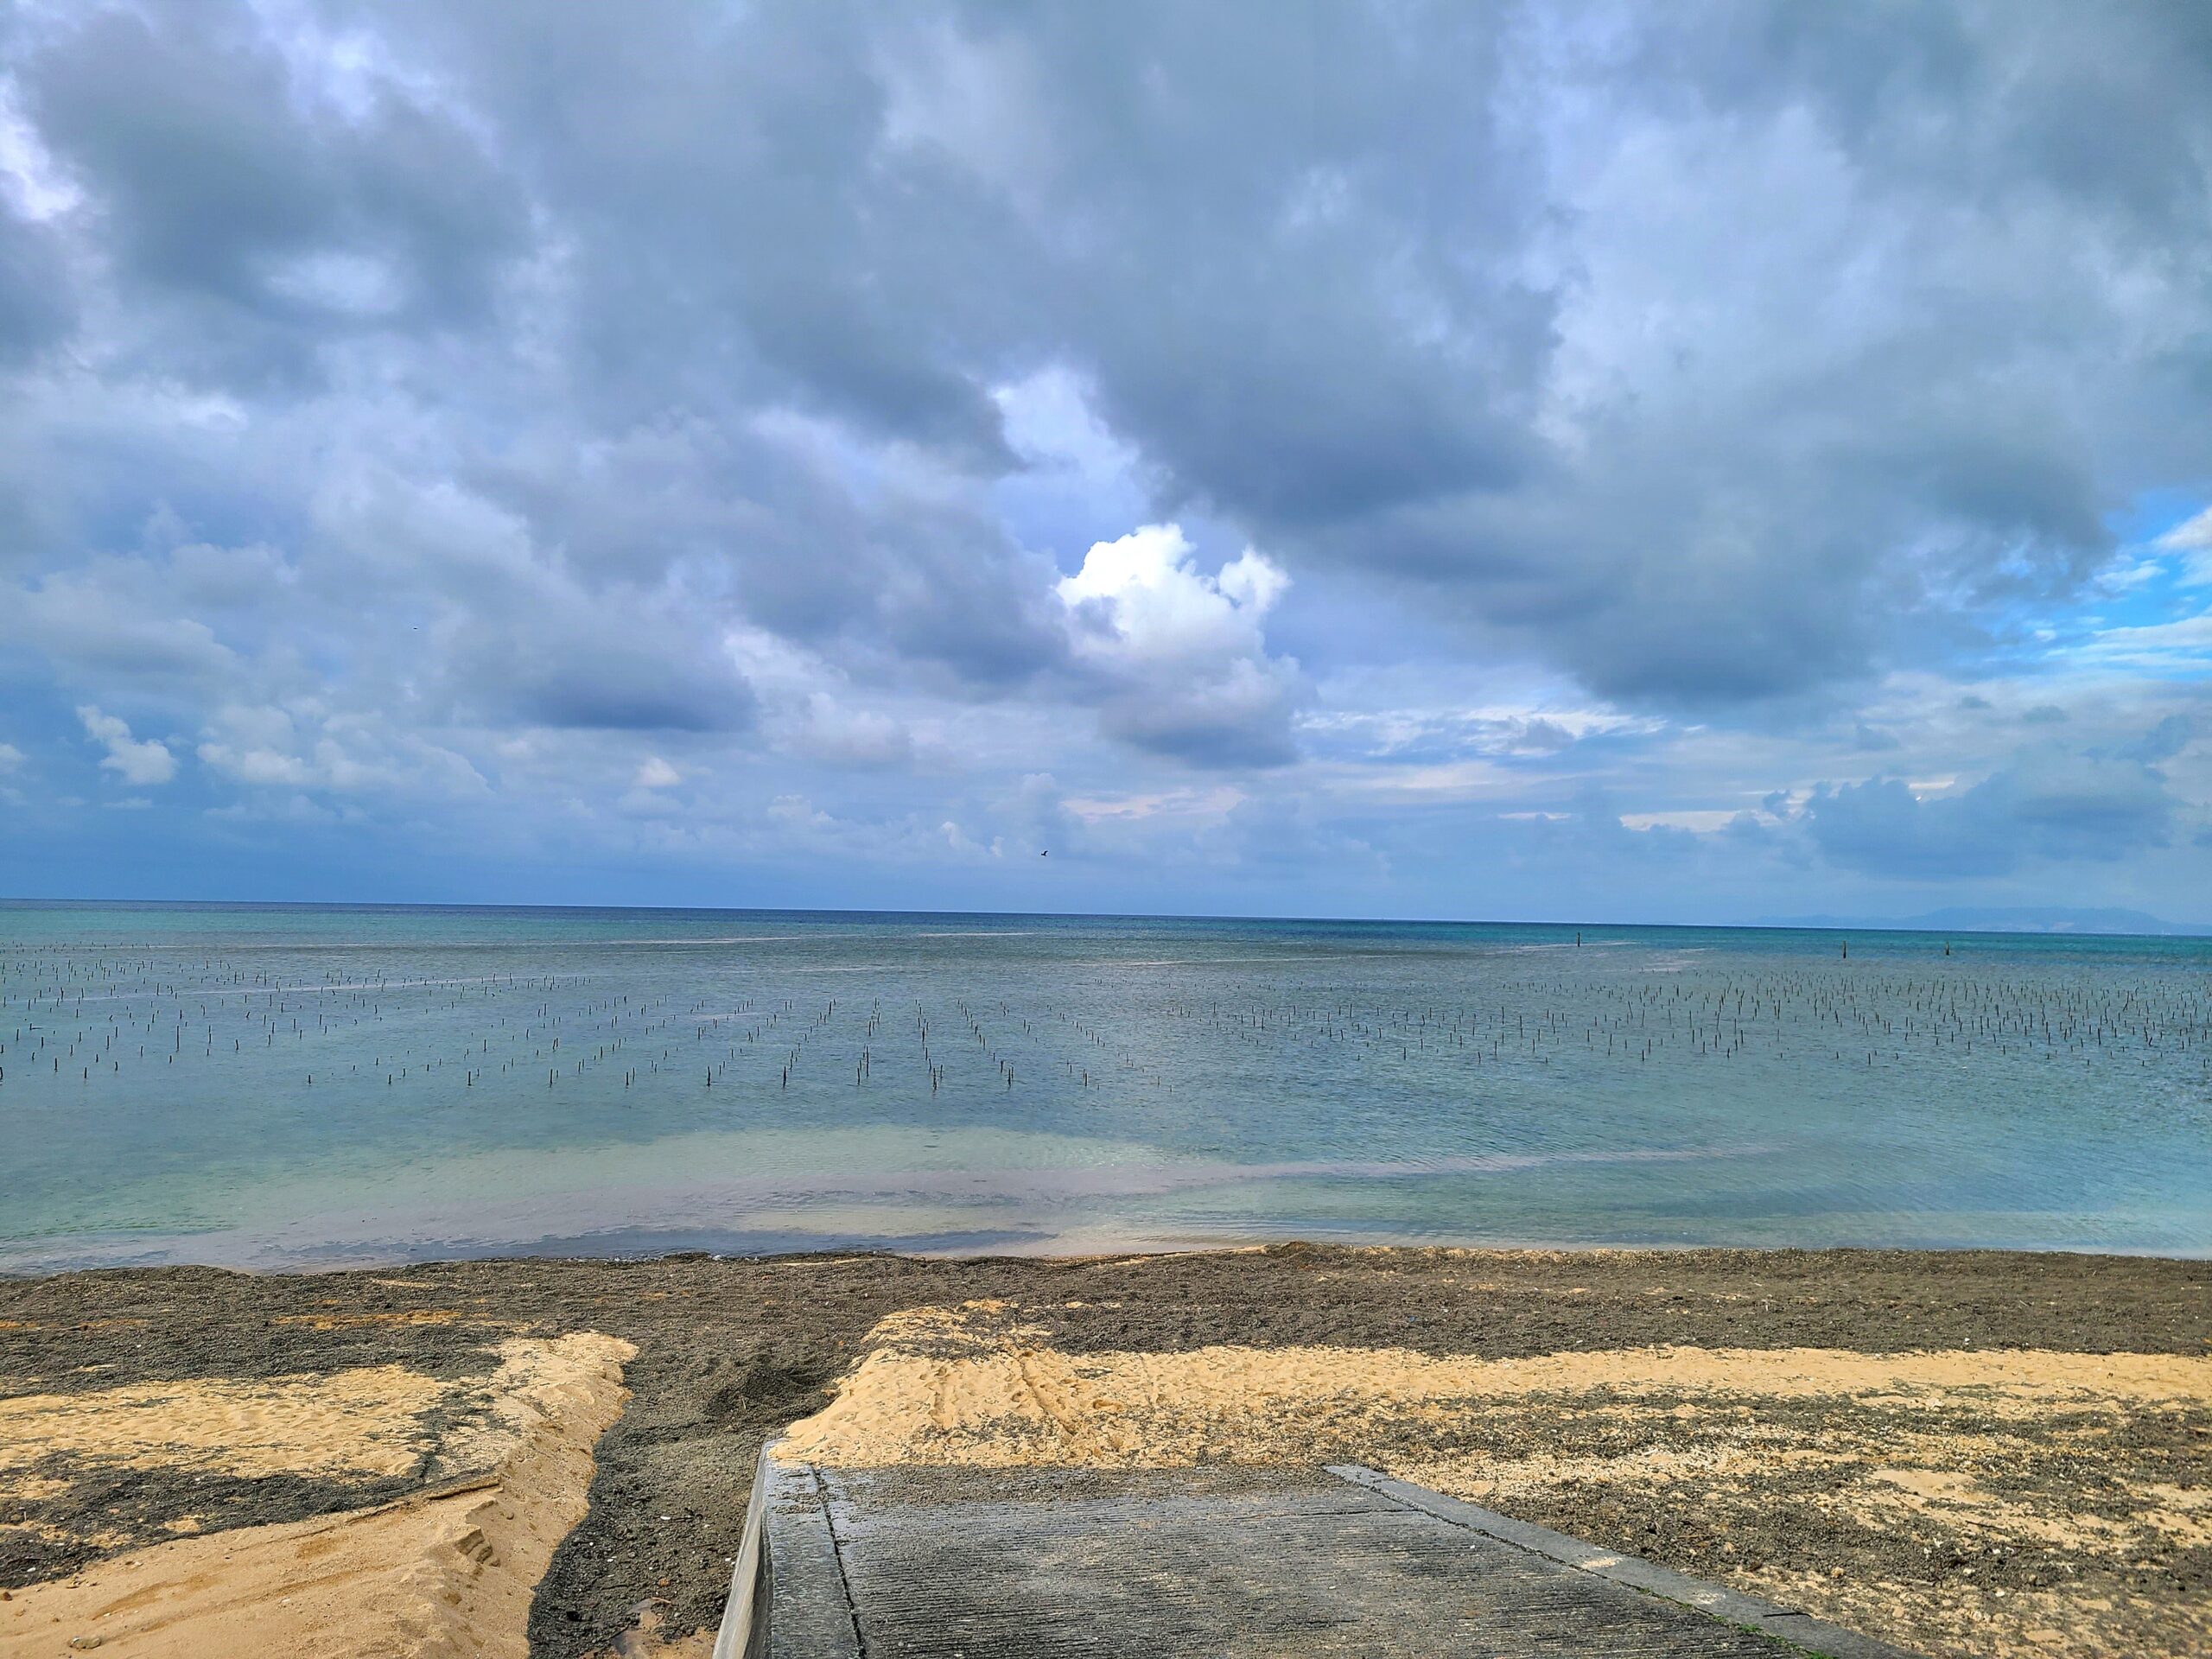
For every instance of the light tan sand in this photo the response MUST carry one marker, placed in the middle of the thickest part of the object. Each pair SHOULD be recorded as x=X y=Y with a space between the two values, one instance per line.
x=362 y=1421
x=1010 y=1402
x=436 y=1576
x=1879 y=1435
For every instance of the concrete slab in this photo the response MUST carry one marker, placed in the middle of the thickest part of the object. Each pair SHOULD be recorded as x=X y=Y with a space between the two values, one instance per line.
x=1799 y=1630
x=993 y=1564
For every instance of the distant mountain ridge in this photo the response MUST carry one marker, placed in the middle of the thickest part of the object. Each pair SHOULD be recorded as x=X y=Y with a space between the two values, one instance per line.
x=2019 y=919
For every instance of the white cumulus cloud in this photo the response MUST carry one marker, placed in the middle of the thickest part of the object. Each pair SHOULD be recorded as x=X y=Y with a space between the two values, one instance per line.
x=1146 y=601
x=138 y=761
x=1183 y=654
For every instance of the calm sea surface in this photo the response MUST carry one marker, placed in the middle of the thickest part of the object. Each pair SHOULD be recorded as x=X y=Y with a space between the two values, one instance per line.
x=265 y=1085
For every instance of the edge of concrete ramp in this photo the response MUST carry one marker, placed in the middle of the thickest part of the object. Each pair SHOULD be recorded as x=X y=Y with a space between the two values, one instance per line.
x=787 y=1593
x=1800 y=1630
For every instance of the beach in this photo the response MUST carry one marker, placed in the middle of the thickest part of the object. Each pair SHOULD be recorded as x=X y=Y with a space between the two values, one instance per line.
x=1344 y=828
x=1971 y=1453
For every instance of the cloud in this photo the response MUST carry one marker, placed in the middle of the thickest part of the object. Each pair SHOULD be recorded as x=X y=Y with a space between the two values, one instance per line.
x=256 y=217
x=2187 y=640
x=1181 y=653
x=614 y=685
x=10 y=758
x=853 y=737
x=653 y=772
x=2048 y=806
x=2194 y=537
x=1480 y=328
x=106 y=623
x=307 y=746
x=434 y=410
x=35 y=310
x=135 y=761
x=2190 y=536
x=2163 y=741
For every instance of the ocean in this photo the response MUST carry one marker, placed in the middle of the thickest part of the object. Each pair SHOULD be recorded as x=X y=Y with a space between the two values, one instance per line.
x=296 y=1086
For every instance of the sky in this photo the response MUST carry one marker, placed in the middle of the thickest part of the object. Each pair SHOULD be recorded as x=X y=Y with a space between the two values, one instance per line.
x=1583 y=460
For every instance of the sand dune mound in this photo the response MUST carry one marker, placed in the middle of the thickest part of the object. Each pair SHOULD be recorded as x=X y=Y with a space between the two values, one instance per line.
x=446 y=1572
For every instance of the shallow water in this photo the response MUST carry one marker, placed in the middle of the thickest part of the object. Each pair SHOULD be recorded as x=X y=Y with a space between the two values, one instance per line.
x=270 y=1085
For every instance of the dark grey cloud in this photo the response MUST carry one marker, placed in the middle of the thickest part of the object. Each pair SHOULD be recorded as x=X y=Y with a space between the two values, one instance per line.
x=2162 y=742
x=36 y=308
x=735 y=233
x=651 y=679
x=767 y=531
x=1223 y=725
x=235 y=192
x=2046 y=807
x=2102 y=108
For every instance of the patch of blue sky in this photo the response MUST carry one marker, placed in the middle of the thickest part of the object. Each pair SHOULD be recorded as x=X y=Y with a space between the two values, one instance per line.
x=2146 y=614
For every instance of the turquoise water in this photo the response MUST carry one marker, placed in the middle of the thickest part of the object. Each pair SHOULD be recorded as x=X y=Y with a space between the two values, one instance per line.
x=264 y=1085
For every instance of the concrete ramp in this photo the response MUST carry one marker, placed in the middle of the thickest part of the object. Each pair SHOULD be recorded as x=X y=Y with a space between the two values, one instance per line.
x=993 y=1563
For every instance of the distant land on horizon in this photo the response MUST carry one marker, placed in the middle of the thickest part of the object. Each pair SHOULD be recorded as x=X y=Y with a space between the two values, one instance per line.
x=2019 y=919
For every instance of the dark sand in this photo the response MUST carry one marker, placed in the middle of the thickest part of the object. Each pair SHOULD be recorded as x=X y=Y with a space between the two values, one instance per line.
x=730 y=1351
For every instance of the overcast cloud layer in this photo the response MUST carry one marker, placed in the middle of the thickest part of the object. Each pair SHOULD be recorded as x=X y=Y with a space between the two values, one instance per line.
x=1672 y=462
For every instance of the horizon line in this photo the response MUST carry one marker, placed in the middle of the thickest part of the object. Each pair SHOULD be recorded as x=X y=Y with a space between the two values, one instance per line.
x=1825 y=925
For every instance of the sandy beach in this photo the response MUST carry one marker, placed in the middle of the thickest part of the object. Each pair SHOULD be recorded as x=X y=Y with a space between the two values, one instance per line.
x=1179 y=786
x=1964 y=1453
